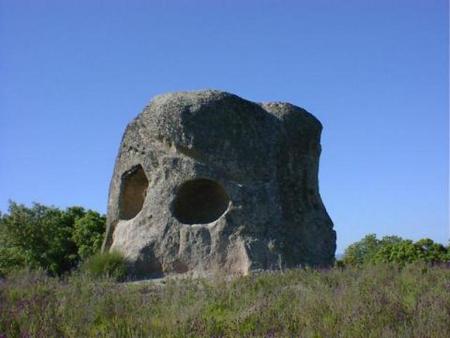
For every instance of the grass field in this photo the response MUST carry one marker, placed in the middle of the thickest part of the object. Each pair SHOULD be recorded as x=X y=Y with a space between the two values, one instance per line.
x=373 y=301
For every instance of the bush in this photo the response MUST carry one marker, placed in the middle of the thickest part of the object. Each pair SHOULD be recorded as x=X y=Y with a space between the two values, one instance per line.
x=394 y=249
x=48 y=238
x=88 y=233
x=363 y=251
x=408 y=252
x=37 y=237
x=106 y=265
x=11 y=259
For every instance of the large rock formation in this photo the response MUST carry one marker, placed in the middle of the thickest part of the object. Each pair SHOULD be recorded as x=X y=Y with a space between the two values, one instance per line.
x=209 y=181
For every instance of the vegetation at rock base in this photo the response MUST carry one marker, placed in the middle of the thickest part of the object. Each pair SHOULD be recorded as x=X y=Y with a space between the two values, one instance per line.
x=88 y=232
x=59 y=241
x=368 y=301
x=57 y=284
x=43 y=237
x=106 y=265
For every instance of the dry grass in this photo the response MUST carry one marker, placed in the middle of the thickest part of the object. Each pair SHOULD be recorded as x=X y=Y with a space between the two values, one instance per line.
x=373 y=301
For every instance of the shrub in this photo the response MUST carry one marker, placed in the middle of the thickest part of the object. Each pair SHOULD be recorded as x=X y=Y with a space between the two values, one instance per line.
x=106 y=265
x=408 y=252
x=10 y=259
x=363 y=251
x=38 y=237
x=394 y=249
x=43 y=237
x=88 y=233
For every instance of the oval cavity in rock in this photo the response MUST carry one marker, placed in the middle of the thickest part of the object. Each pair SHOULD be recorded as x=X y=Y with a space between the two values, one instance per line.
x=200 y=201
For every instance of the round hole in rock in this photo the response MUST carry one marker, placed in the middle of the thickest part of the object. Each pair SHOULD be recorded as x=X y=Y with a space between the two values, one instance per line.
x=133 y=189
x=200 y=201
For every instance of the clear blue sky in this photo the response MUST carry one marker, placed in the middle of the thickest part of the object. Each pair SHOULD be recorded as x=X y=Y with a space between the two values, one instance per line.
x=73 y=73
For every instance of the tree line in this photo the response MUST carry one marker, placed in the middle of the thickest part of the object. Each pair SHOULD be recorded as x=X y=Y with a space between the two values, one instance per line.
x=394 y=249
x=59 y=241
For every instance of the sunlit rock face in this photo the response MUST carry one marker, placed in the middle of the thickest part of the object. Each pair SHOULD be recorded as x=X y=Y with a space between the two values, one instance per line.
x=207 y=181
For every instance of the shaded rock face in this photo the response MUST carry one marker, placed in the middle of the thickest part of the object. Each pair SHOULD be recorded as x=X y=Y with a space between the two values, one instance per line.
x=209 y=181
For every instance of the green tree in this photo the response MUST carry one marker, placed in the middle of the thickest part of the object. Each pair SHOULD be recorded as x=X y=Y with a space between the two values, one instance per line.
x=433 y=252
x=362 y=251
x=394 y=249
x=88 y=233
x=38 y=237
x=407 y=251
x=47 y=237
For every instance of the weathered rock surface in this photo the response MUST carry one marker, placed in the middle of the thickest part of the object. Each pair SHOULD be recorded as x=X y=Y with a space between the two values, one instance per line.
x=209 y=181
